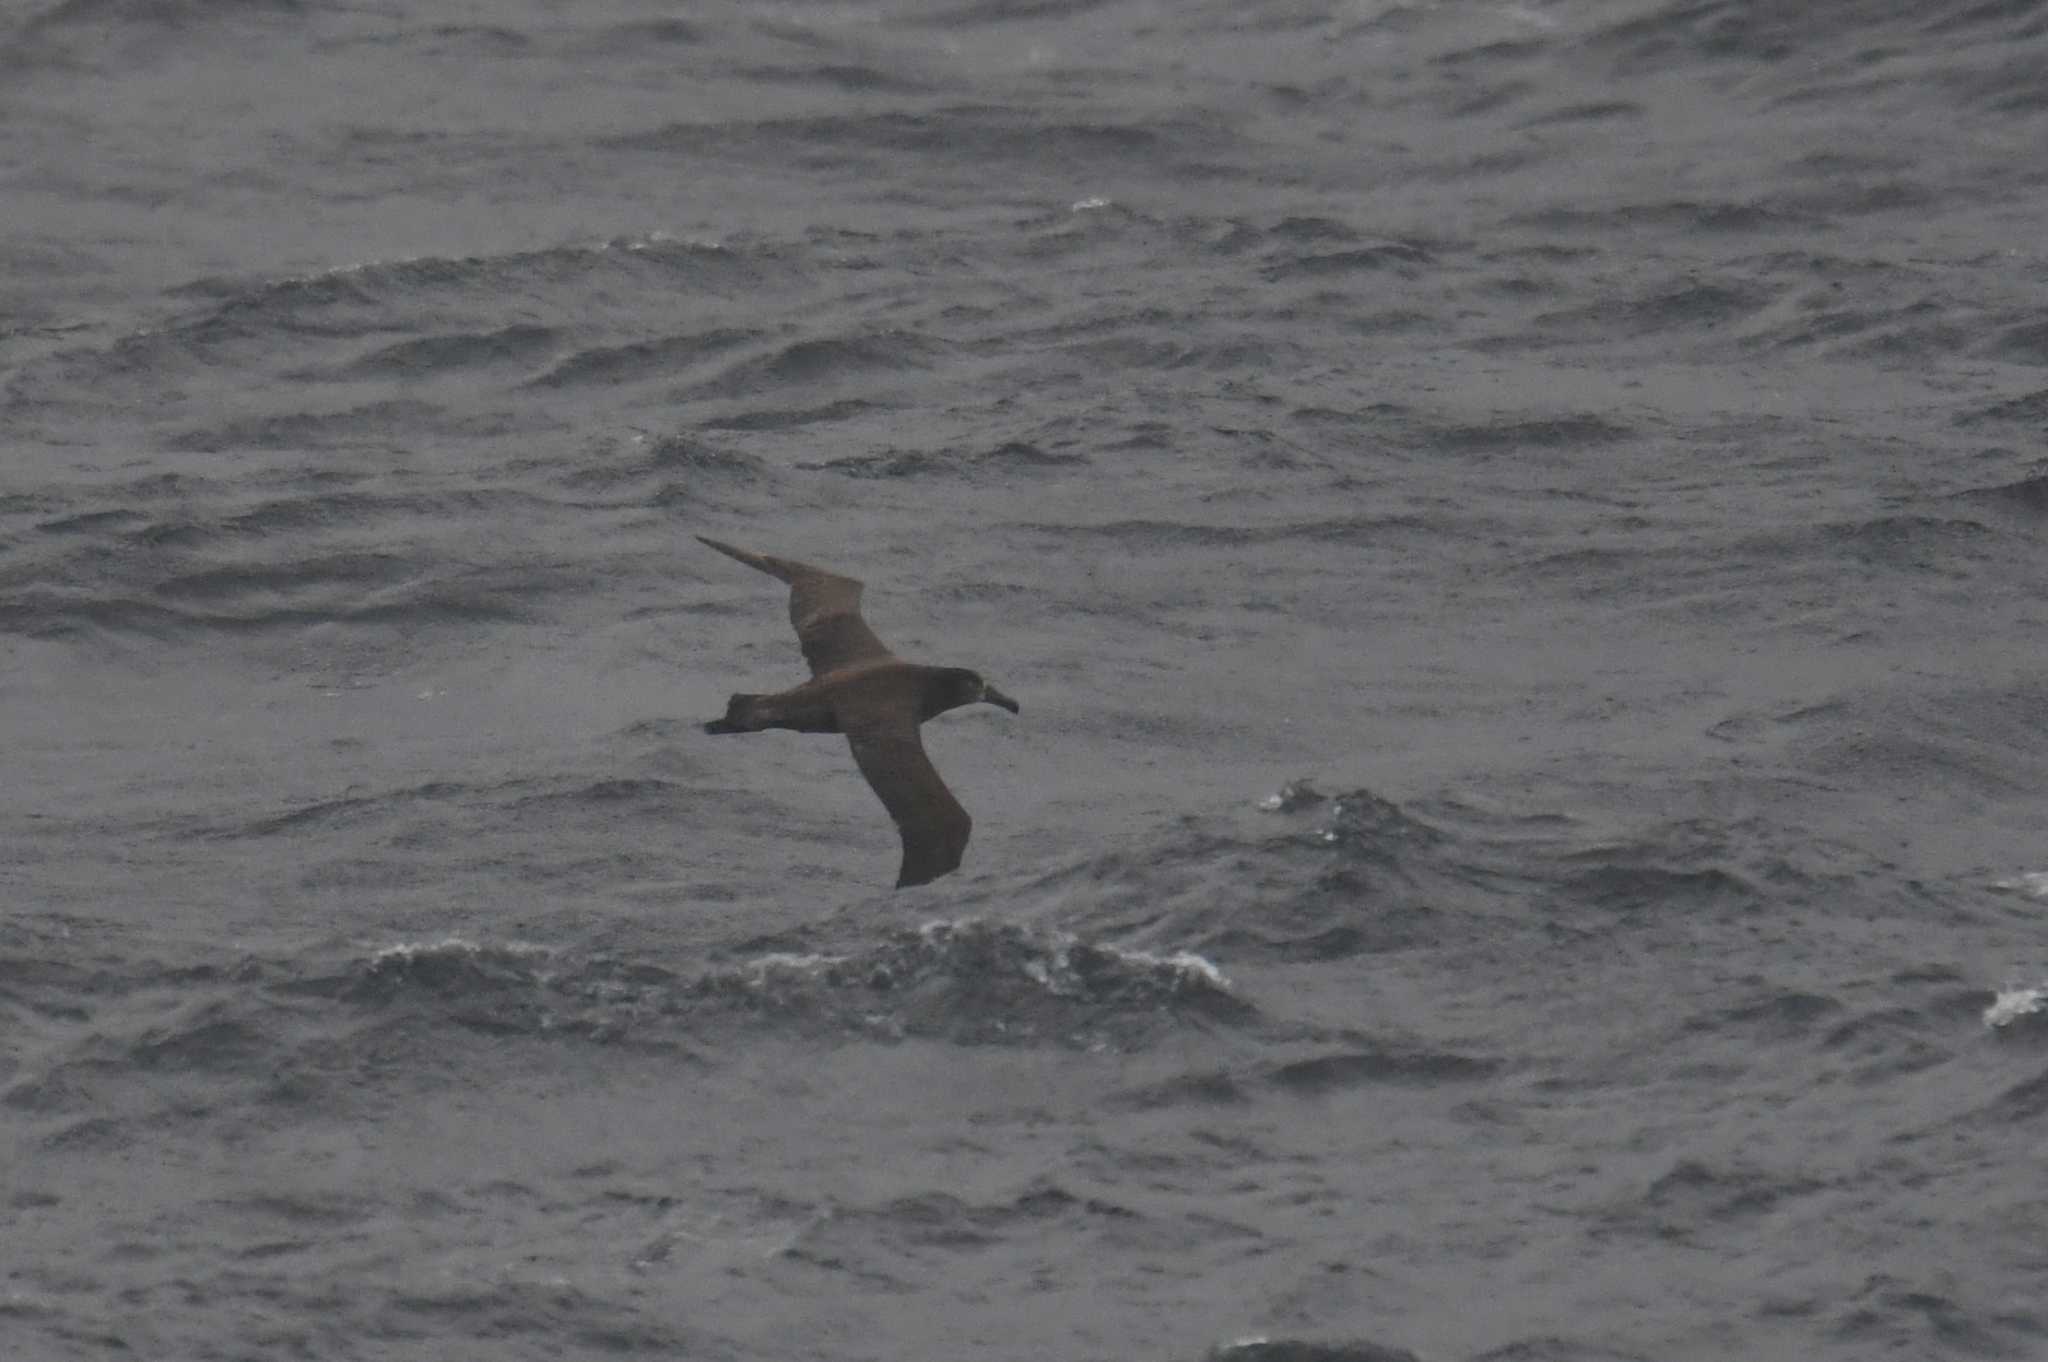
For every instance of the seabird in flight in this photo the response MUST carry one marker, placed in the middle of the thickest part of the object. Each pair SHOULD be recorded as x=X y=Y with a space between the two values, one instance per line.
x=859 y=688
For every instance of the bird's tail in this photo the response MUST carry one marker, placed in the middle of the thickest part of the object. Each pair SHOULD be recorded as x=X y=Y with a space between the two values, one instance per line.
x=739 y=716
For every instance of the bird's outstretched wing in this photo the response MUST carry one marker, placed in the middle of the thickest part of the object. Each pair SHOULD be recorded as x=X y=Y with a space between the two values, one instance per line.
x=824 y=607
x=881 y=727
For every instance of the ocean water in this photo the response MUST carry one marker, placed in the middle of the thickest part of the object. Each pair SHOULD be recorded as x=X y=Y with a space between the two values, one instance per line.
x=1520 y=531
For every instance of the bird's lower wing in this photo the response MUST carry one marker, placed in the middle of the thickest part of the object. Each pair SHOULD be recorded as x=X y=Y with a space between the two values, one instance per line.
x=934 y=827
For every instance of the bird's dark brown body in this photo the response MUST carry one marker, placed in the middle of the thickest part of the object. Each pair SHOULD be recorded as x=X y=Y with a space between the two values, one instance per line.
x=861 y=689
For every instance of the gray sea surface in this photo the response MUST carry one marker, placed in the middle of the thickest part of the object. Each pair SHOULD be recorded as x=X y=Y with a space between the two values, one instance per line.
x=1520 y=531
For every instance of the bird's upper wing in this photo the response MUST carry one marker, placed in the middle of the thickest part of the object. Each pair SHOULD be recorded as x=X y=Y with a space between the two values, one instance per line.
x=881 y=726
x=824 y=607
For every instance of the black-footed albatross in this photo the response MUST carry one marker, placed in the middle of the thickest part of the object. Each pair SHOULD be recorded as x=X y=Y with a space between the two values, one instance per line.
x=859 y=688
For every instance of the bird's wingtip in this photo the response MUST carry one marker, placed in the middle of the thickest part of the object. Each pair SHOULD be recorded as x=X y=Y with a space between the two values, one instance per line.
x=752 y=560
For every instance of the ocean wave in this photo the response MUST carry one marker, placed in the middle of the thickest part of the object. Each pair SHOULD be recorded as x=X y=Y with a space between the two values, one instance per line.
x=314 y=327
x=823 y=360
x=965 y=982
x=980 y=982
x=663 y=357
x=519 y=343
x=1300 y=879
x=1286 y=1349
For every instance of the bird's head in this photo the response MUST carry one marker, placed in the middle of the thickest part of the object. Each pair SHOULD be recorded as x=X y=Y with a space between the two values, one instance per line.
x=990 y=695
x=969 y=687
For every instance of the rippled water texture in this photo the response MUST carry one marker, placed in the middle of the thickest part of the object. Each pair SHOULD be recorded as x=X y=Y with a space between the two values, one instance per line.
x=1519 y=531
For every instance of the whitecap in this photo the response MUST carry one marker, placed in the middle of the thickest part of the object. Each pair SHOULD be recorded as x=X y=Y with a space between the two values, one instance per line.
x=807 y=963
x=2013 y=1003
x=404 y=952
x=1192 y=967
x=1295 y=794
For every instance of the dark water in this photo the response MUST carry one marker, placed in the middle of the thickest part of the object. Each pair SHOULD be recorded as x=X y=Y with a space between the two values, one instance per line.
x=1598 y=444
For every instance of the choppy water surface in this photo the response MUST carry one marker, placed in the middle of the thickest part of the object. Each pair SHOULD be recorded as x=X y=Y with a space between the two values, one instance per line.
x=1519 y=530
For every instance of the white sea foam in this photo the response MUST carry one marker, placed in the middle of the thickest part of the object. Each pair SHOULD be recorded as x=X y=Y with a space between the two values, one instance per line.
x=1295 y=794
x=407 y=951
x=804 y=963
x=1053 y=968
x=2013 y=1003
x=2033 y=882
x=1185 y=963
x=410 y=950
